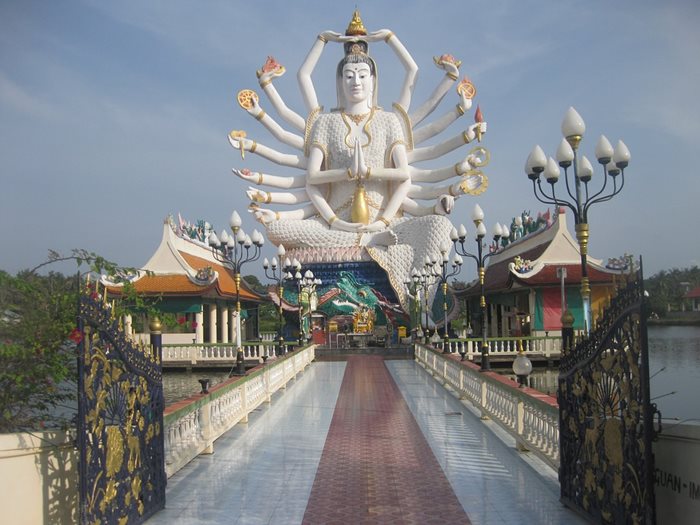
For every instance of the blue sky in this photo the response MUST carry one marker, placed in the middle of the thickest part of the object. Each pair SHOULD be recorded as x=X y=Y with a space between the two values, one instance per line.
x=115 y=114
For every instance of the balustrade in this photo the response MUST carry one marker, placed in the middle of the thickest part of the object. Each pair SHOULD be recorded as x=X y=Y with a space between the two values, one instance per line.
x=533 y=346
x=531 y=418
x=191 y=429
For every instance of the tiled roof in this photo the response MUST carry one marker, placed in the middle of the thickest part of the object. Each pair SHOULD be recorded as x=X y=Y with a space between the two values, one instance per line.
x=168 y=285
x=695 y=292
x=225 y=284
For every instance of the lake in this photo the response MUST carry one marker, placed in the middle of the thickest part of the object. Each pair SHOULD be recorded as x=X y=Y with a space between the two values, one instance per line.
x=674 y=368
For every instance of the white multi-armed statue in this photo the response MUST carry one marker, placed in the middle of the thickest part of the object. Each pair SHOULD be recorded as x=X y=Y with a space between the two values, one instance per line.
x=355 y=193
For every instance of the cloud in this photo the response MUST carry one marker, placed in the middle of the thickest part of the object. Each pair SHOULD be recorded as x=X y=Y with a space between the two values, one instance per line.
x=667 y=98
x=18 y=99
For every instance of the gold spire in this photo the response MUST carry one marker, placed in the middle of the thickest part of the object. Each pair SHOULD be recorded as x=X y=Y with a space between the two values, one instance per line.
x=356 y=27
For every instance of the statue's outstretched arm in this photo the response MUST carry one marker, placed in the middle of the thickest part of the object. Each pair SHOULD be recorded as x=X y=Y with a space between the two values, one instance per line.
x=430 y=130
x=283 y=159
x=306 y=85
x=277 y=197
x=398 y=196
x=477 y=158
x=271 y=70
x=315 y=175
x=319 y=176
x=406 y=59
x=274 y=181
x=287 y=137
x=265 y=216
x=432 y=192
x=443 y=206
x=438 y=150
x=319 y=201
x=451 y=67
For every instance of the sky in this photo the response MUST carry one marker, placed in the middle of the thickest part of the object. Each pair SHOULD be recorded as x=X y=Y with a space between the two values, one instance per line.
x=114 y=115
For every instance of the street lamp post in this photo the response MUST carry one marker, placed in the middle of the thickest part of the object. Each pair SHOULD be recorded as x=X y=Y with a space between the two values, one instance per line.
x=614 y=161
x=420 y=285
x=458 y=237
x=233 y=252
x=274 y=272
x=304 y=283
x=442 y=275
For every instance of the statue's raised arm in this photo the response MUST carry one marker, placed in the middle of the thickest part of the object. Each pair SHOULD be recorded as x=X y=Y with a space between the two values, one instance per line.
x=281 y=134
x=271 y=70
x=450 y=65
x=406 y=59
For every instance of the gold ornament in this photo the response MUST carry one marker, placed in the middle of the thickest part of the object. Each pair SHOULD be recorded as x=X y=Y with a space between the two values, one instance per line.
x=357 y=119
x=359 y=211
x=356 y=27
x=466 y=87
x=246 y=97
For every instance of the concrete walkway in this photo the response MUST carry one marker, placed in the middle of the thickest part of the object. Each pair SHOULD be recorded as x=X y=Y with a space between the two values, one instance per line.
x=265 y=471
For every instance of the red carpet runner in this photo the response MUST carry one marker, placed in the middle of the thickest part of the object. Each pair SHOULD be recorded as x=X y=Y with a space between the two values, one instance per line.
x=376 y=466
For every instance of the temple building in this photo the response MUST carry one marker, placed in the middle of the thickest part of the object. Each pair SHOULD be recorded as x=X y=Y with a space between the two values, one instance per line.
x=523 y=282
x=189 y=282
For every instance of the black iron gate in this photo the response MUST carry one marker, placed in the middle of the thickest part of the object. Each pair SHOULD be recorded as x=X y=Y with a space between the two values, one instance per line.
x=606 y=419
x=120 y=427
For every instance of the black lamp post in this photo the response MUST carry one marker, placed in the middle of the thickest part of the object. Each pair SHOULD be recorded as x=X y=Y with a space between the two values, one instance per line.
x=458 y=237
x=442 y=275
x=421 y=285
x=233 y=252
x=614 y=162
x=304 y=282
x=274 y=272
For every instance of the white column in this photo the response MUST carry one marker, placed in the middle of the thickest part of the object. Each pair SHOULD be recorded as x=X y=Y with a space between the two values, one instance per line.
x=224 y=323
x=128 y=326
x=237 y=324
x=212 y=323
x=199 y=329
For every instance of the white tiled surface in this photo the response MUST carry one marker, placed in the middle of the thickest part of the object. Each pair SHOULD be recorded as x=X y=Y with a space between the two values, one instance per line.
x=262 y=472
x=489 y=477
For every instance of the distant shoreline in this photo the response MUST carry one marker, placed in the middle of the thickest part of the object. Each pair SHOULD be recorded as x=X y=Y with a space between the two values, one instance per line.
x=675 y=321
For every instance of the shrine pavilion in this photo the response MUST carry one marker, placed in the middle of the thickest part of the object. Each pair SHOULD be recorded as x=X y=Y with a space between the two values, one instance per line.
x=523 y=283
x=189 y=282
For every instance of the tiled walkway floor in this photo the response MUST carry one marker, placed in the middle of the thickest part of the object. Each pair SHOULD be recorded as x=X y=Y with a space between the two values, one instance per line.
x=263 y=471
x=376 y=466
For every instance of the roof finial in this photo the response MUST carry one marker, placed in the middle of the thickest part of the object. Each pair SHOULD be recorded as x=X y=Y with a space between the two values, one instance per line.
x=356 y=27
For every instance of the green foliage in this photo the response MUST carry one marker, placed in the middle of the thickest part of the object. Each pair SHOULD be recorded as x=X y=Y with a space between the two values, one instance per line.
x=37 y=360
x=37 y=356
x=667 y=288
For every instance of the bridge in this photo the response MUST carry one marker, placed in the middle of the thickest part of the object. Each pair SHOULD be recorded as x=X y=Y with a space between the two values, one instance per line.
x=364 y=441
x=185 y=355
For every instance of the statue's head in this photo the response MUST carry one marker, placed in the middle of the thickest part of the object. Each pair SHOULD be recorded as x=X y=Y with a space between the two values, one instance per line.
x=356 y=75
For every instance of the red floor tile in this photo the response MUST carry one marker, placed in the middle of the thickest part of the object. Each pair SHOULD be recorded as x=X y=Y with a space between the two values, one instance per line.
x=376 y=466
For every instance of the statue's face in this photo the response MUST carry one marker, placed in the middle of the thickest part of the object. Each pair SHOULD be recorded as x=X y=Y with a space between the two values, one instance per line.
x=357 y=82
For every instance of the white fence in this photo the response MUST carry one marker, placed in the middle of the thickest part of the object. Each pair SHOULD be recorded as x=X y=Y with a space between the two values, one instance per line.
x=188 y=354
x=530 y=417
x=548 y=347
x=191 y=429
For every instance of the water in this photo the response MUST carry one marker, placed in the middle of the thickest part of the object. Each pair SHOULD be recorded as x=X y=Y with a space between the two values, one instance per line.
x=180 y=384
x=674 y=366
x=677 y=348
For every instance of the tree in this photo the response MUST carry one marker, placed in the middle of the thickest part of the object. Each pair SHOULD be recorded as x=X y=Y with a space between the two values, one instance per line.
x=38 y=338
x=667 y=288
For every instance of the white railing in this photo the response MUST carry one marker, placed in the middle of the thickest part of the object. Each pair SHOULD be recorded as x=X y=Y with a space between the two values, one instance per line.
x=531 y=417
x=191 y=429
x=203 y=354
x=548 y=347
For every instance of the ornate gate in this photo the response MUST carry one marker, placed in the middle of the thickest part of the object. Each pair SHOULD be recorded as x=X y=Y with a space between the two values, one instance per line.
x=120 y=427
x=606 y=419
